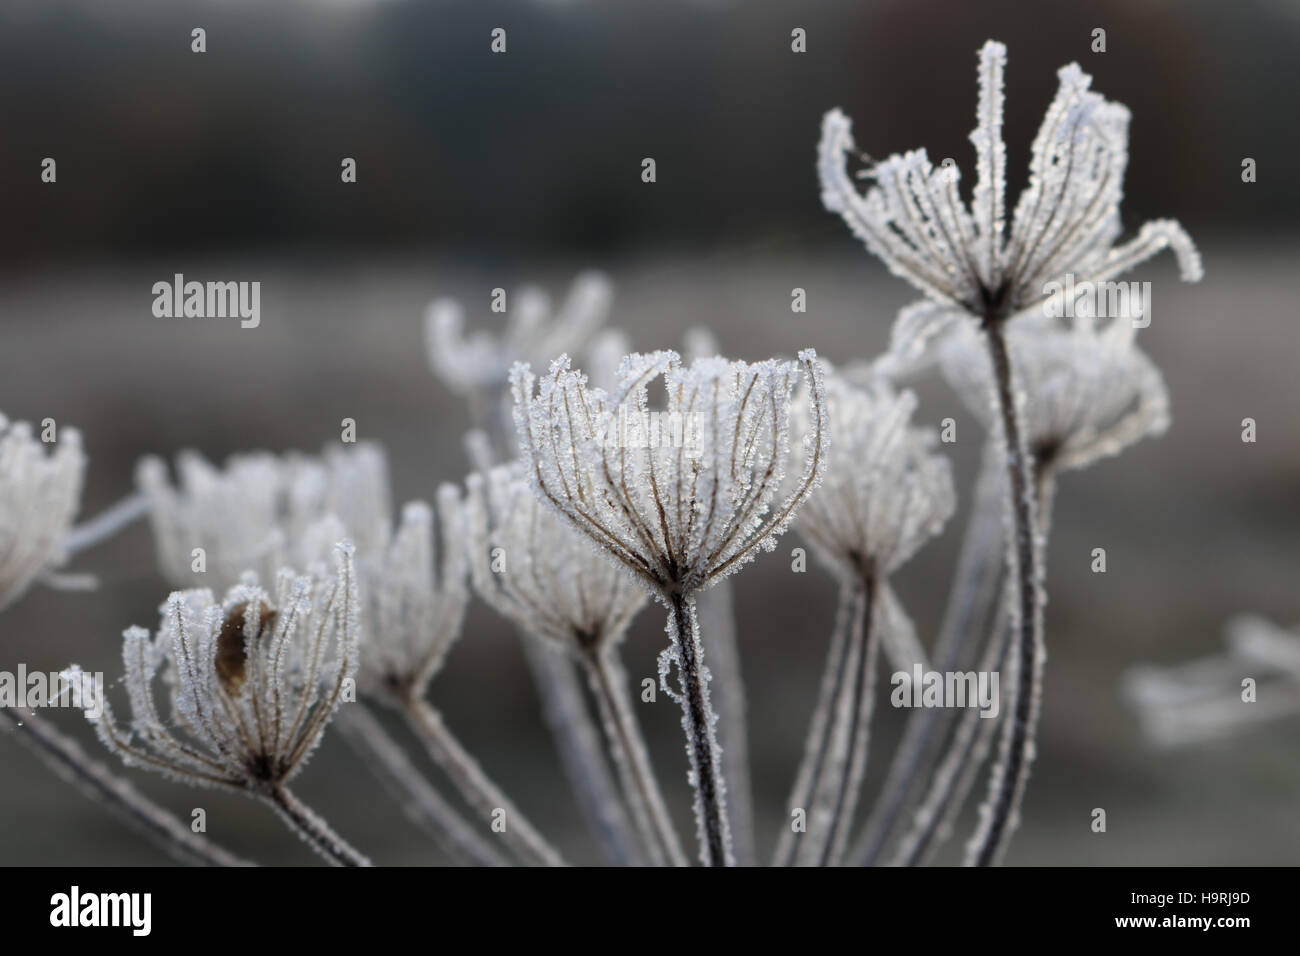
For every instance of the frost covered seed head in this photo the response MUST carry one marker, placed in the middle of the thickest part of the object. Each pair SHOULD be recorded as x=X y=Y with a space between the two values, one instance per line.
x=1090 y=391
x=39 y=494
x=549 y=579
x=255 y=512
x=413 y=605
x=533 y=333
x=691 y=500
x=254 y=680
x=886 y=489
x=1066 y=221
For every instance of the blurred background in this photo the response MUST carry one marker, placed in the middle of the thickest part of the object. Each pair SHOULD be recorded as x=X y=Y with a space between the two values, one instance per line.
x=477 y=170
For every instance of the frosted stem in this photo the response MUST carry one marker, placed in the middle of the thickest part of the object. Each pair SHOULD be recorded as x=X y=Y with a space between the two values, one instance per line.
x=106 y=524
x=972 y=600
x=718 y=628
x=423 y=805
x=69 y=761
x=479 y=791
x=844 y=753
x=581 y=751
x=644 y=796
x=698 y=718
x=1000 y=814
x=848 y=609
x=849 y=786
x=955 y=773
x=313 y=829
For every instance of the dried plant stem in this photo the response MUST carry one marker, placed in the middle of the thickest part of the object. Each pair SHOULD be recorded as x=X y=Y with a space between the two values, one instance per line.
x=849 y=609
x=698 y=718
x=842 y=753
x=107 y=523
x=717 y=614
x=955 y=773
x=581 y=752
x=999 y=815
x=972 y=600
x=474 y=785
x=564 y=709
x=644 y=796
x=313 y=829
x=845 y=785
x=66 y=758
x=423 y=805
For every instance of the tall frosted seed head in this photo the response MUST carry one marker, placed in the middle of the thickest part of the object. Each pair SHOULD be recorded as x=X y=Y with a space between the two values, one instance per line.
x=965 y=260
x=682 y=491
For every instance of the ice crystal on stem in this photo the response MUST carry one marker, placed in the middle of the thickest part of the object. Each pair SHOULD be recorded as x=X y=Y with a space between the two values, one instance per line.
x=885 y=493
x=40 y=491
x=681 y=505
x=1065 y=226
x=558 y=588
x=255 y=680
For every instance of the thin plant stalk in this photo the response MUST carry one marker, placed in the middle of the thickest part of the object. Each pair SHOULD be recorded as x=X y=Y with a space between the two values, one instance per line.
x=841 y=754
x=698 y=719
x=863 y=697
x=627 y=746
x=972 y=600
x=1016 y=750
x=956 y=773
x=564 y=708
x=66 y=758
x=423 y=805
x=313 y=829
x=848 y=611
x=718 y=626
x=582 y=754
x=107 y=523
x=478 y=790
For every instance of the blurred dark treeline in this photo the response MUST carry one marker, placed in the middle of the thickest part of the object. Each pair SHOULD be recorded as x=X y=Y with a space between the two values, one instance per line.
x=539 y=150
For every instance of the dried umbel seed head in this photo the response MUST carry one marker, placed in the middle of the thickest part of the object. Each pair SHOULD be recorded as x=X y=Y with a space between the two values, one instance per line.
x=254 y=512
x=691 y=501
x=40 y=489
x=255 y=680
x=534 y=333
x=1066 y=222
x=414 y=599
x=886 y=490
x=232 y=642
x=1090 y=392
x=550 y=580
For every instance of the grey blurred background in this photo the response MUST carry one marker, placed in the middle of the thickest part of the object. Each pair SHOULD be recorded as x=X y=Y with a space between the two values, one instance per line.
x=479 y=170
